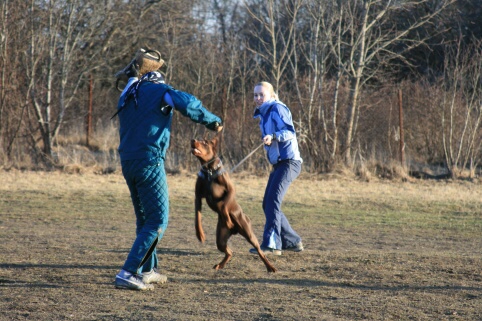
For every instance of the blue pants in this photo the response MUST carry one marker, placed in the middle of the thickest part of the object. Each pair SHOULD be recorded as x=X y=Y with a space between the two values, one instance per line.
x=147 y=182
x=278 y=233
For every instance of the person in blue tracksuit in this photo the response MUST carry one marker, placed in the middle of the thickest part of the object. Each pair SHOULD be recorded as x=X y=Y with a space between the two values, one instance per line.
x=145 y=111
x=281 y=146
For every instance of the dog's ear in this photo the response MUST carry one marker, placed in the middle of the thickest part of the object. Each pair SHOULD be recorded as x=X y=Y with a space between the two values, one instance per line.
x=219 y=139
x=215 y=142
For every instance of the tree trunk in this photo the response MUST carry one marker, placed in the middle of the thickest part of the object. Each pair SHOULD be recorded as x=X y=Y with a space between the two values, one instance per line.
x=355 y=85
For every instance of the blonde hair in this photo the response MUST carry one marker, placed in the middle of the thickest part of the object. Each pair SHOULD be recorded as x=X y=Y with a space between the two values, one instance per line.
x=270 y=88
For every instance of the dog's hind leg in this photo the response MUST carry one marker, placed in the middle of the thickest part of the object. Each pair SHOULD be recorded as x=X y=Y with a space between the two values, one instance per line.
x=222 y=236
x=246 y=230
x=267 y=263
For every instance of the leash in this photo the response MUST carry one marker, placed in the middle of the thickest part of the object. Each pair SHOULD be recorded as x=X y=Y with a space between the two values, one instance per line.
x=244 y=159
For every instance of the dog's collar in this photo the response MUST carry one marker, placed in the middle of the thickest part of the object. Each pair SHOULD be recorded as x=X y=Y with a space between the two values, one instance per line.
x=212 y=173
x=205 y=165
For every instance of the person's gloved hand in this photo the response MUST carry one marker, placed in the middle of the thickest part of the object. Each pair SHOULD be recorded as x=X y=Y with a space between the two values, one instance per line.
x=215 y=126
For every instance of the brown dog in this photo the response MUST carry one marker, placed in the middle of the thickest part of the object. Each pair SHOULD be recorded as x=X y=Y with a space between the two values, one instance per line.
x=213 y=184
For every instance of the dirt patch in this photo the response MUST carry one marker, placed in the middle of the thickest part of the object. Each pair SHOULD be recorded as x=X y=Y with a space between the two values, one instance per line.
x=374 y=251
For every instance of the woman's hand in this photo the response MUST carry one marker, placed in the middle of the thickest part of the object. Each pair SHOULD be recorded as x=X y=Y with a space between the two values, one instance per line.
x=267 y=139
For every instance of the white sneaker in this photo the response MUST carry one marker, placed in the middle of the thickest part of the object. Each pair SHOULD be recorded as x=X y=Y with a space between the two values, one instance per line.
x=297 y=248
x=153 y=277
x=127 y=280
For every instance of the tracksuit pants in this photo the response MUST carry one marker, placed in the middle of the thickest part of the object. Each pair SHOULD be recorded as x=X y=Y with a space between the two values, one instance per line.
x=147 y=182
x=278 y=233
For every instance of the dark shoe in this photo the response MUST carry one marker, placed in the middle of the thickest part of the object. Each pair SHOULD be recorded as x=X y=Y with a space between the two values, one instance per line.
x=153 y=277
x=266 y=250
x=297 y=248
x=126 y=280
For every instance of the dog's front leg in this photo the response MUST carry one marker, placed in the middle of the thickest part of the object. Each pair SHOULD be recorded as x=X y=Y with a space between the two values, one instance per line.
x=228 y=200
x=198 y=221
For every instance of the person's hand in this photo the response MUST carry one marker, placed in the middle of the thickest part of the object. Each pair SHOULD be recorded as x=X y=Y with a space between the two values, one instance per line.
x=267 y=139
x=217 y=127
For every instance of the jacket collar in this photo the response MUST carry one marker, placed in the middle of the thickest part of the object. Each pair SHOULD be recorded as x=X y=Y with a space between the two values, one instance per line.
x=261 y=110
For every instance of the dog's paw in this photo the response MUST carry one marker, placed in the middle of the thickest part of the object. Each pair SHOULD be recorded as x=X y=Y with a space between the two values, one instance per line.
x=201 y=237
x=271 y=269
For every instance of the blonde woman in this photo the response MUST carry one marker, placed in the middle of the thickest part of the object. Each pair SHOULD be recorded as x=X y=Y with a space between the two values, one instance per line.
x=281 y=146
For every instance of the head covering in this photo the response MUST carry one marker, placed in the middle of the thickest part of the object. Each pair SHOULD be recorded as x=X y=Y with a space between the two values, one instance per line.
x=145 y=60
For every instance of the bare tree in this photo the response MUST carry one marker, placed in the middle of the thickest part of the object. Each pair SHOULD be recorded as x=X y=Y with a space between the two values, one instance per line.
x=462 y=108
x=50 y=63
x=68 y=41
x=368 y=40
x=322 y=116
x=332 y=59
x=274 y=35
x=4 y=38
x=12 y=102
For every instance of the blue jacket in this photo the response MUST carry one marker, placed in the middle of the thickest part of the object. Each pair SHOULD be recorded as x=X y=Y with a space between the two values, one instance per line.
x=275 y=119
x=145 y=129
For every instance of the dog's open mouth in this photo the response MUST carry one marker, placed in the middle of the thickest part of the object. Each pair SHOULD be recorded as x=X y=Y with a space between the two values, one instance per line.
x=195 y=151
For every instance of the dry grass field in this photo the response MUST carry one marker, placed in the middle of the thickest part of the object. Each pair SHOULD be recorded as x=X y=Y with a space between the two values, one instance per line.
x=374 y=251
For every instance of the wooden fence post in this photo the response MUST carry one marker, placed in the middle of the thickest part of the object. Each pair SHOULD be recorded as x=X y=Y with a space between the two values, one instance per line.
x=89 y=113
x=400 y=118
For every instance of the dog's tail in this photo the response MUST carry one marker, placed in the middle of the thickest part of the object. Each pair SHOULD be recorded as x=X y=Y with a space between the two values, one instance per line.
x=199 y=227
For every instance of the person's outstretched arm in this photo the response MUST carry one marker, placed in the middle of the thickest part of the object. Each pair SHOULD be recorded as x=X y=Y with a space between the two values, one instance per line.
x=189 y=106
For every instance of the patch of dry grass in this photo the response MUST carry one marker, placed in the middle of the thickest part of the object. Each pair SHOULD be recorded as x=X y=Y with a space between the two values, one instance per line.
x=374 y=251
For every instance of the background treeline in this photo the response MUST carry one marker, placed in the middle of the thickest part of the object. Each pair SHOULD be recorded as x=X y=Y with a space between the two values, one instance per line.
x=340 y=65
